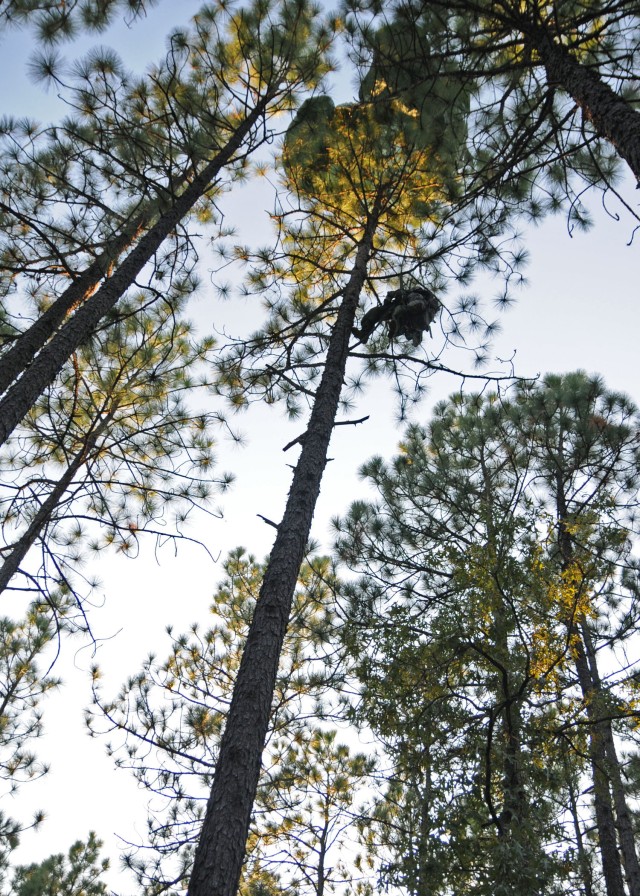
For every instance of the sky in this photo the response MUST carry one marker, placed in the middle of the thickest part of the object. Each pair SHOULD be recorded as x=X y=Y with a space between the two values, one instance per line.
x=579 y=309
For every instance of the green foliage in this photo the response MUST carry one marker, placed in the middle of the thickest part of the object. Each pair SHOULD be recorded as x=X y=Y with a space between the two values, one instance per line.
x=166 y=723
x=429 y=119
x=436 y=104
x=75 y=189
x=54 y=21
x=23 y=685
x=77 y=874
x=9 y=838
x=310 y=804
x=334 y=152
x=526 y=131
x=357 y=169
x=467 y=622
x=115 y=450
x=24 y=644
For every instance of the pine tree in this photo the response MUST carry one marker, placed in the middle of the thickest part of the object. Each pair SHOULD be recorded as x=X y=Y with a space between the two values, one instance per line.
x=469 y=606
x=112 y=453
x=170 y=137
x=76 y=874
x=23 y=645
x=554 y=87
x=54 y=21
x=377 y=200
x=165 y=727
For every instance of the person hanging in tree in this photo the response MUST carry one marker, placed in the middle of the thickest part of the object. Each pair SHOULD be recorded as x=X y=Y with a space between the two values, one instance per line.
x=407 y=313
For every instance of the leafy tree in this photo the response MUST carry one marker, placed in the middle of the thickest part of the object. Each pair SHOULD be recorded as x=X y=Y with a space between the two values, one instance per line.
x=22 y=686
x=76 y=874
x=470 y=628
x=9 y=831
x=590 y=463
x=169 y=137
x=310 y=807
x=113 y=446
x=23 y=644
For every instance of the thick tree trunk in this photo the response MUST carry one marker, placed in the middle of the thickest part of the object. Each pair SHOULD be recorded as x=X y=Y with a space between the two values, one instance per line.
x=611 y=115
x=81 y=324
x=623 y=816
x=20 y=549
x=220 y=853
x=515 y=809
x=16 y=360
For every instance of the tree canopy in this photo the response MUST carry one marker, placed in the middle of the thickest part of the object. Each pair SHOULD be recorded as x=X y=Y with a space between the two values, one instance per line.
x=482 y=645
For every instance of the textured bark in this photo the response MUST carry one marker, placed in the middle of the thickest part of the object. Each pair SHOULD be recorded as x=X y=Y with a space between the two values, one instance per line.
x=27 y=539
x=603 y=804
x=623 y=817
x=583 y=859
x=611 y=115
x=605 y=819
x=16 y=360
x=81 y=324
x=624 y=821
x=220 y=853
x=515 y=808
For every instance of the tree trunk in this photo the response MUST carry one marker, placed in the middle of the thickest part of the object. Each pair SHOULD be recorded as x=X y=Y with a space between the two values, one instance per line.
x=19 y=550
x=623 y=816
x=583 y=858
x=220 y=852
x=611 y=115
x=22 y=352
x=605 y=819
x=79 y=327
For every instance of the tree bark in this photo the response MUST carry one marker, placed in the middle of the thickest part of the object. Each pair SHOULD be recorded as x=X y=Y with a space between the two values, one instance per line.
x=583 y=859
x=624 y=821
x=16 y=360
x=605 y=819
x=220 y=852
x=21 y=396
x=611 y=115
x=603 y=805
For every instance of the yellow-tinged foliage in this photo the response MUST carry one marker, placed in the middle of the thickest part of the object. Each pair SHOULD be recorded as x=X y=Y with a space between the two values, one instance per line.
x=347 y=157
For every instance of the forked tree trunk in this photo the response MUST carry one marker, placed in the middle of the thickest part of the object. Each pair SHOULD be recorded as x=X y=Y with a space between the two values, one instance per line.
x=220 y=852
x=611 y=115
x=44 y=369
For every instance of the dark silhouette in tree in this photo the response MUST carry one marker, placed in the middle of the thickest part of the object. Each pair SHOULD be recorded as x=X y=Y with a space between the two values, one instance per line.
x=368 y=181
x=407 y=313
x=218 y=859
x=531 y=67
